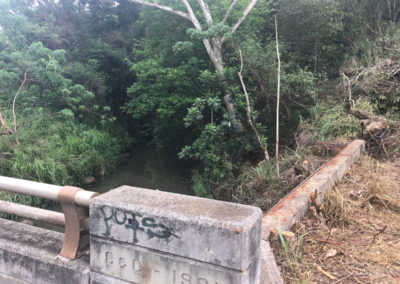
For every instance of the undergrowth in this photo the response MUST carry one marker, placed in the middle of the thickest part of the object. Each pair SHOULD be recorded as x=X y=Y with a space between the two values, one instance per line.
x=333 y=207
x=54 y=151
x=330 y=122
x=355 y=238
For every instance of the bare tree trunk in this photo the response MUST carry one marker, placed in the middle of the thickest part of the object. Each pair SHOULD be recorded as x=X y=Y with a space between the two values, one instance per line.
x=278 y=96
x=2 y=122
x=214 y=51
x=347 y=82
x=216 y=57
x=249 y=110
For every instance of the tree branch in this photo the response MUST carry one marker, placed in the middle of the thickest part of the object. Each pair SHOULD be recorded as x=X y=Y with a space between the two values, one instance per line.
x=211 y=52
x=162 y=7
x=4 y=125
x=228 y=12
x=206 y=12
x=192 y=16
x=15 y=98
x=249 y=110
x=243 y=17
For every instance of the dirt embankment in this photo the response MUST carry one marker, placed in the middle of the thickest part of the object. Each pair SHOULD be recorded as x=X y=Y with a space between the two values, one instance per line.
x=356 y=238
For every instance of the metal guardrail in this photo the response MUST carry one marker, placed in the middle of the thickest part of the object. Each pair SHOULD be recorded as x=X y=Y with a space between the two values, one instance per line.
x=43 y=190
x=74 y=202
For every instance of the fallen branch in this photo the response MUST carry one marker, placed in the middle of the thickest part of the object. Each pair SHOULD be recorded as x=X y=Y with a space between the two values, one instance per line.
x=327 y=241
x=360 y=114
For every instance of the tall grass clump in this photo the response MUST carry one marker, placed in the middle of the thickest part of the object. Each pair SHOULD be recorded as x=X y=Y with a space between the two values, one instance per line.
x=332 y=122
x=59 y=152
x=333 y=207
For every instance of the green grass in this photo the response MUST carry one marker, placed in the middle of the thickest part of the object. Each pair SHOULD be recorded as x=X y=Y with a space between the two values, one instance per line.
x=334 y=121
x=54 y=151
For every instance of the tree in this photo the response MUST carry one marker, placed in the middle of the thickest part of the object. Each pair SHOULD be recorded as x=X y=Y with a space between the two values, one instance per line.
x=33 y=76
x=312 y=32
x=216 y=34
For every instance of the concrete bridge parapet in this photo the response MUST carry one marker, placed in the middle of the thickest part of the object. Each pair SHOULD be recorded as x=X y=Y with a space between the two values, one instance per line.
x=146 y=236
x=142 y=236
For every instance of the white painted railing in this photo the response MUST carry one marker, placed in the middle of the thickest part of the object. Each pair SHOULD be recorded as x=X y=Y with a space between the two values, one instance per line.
x=42 y=190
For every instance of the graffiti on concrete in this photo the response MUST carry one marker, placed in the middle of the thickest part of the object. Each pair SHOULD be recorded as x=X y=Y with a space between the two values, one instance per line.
x=135 y=222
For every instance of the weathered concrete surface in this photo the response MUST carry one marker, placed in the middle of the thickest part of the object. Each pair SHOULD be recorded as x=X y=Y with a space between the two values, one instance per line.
x=29 y=255
x=210 y=231
x=270 y=273
x=295 y=205
x=97 y=278
x=11 y=280
x=139 y=265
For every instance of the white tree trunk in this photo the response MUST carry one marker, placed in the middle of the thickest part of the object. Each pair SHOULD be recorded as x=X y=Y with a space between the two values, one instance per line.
x=214 y=48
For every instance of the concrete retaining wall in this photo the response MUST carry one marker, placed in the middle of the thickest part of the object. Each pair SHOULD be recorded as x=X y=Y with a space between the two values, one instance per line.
x=293 y=207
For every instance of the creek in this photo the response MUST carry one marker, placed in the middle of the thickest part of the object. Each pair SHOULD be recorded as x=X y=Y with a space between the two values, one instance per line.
x=147 y=170
x=144 y=169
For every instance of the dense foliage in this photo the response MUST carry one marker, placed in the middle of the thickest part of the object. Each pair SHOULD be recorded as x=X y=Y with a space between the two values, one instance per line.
x=90 y=77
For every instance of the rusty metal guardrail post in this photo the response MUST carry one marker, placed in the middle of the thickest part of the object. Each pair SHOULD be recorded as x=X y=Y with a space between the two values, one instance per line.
x=74 y=202
x=73 y=224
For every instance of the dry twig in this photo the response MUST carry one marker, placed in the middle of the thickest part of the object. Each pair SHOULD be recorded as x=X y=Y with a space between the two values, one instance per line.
x=377 y=234
x=330 y=276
